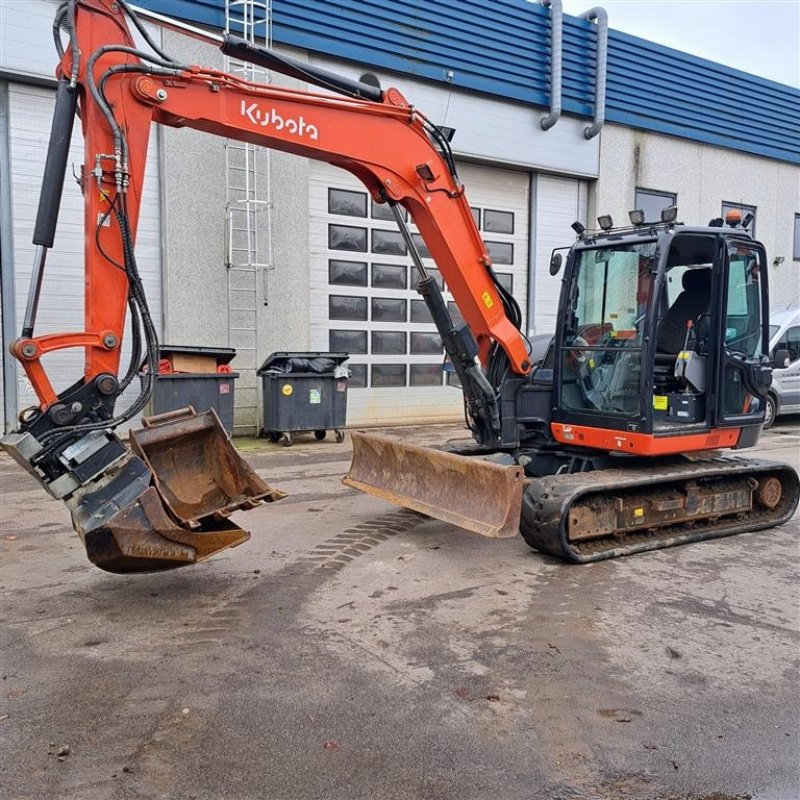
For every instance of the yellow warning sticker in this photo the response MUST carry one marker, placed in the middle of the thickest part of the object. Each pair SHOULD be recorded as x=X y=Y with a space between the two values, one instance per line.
x=660 y=402
x=487 y=299
x=286 y=389
x=638 y=512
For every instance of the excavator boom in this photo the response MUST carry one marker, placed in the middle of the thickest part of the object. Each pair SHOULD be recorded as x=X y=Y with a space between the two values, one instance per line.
x=168 y=502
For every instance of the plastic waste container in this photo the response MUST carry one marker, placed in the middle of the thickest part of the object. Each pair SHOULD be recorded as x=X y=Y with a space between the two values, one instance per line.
x=209 y=383
x=304 y=392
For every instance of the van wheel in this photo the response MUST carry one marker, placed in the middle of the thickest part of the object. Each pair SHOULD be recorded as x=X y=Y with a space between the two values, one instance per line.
x=770 y=412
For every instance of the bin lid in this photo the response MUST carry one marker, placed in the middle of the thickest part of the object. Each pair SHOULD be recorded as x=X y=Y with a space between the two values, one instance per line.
x=272 y=361
x=223 y=355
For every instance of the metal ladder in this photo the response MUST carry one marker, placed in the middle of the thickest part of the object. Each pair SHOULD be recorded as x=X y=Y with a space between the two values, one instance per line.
x=248 y=213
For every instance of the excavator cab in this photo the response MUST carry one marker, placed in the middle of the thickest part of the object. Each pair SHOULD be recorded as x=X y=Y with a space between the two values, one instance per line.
x=661 y=338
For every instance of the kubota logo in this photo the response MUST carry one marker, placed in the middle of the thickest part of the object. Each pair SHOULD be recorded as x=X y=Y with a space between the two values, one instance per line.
x=261 y=117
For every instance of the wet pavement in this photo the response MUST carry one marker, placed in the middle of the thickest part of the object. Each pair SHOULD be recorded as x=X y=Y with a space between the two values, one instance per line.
x=355 y=650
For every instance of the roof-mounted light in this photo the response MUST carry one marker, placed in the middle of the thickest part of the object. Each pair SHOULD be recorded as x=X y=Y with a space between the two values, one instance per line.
x=669 y=214
x=636 y=216
x=605 y=222
x=733 y=218
x=578 y=227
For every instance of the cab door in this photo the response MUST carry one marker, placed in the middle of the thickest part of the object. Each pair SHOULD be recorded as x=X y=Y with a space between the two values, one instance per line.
x=743 y=371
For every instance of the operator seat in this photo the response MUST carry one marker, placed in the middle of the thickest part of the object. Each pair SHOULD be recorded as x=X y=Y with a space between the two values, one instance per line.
x=693 y=301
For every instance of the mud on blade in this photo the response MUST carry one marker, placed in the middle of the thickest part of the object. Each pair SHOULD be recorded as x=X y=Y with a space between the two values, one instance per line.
x=469 y=492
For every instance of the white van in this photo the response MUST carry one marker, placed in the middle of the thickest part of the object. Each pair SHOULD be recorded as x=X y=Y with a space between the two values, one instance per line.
x=784 y=334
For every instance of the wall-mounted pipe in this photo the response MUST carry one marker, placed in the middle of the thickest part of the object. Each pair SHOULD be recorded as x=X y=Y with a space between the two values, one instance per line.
x=599 y=15
x=556 y=60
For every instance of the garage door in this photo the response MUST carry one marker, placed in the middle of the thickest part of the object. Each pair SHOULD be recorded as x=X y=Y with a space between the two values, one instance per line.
x=559 y=202
x=363 y=299
x=62 y=302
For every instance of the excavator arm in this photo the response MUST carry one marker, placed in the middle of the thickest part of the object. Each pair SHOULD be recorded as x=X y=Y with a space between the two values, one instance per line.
x=150 y=510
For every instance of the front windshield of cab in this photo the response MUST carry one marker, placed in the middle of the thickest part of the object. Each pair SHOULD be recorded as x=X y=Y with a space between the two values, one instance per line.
x=610 y=293
x=604 y=325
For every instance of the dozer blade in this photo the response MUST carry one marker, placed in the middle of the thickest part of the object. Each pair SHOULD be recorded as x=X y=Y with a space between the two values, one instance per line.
x=166 y=505
x=469 y=492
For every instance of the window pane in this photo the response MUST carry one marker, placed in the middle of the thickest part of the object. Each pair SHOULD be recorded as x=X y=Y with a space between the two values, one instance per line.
x=347 y=273
x=426 y=375
x=385 y=309
x=426 y=343
x=390 y=242
x=389 y=276
x=432 y=273
x=388 y=375
x=743 y=312
x=388 y=343
x=506 y=281
x=455 y=314
x=501 y=252
x=745 y=210
x=345 y=237
x=348 y=341
x=383 y=211
x=476 y=215
x=420 y=312
x=351 y=204
x=498 y=221
x=341 y=307
x=653 y=203
x=796 y=251
x=358 y=376
x=421 y=246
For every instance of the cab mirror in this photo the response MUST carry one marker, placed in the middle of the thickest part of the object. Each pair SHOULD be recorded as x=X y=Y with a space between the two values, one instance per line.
x=781 y=359
x=555 y=263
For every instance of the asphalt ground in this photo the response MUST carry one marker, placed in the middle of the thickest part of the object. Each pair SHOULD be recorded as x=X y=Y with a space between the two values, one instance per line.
x=355 y=650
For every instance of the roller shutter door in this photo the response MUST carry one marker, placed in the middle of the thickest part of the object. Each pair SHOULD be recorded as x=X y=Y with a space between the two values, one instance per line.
x=363 y=299
x=62 y=301
x=559 y=202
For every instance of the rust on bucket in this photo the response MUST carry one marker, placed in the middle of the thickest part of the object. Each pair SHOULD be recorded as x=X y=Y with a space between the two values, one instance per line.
x=167 y=503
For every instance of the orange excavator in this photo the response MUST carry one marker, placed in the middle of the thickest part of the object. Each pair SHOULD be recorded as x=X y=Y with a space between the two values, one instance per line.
x=600 y=441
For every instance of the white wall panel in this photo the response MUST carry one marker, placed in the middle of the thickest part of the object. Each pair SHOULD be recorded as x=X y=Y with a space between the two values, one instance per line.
x=493 y=130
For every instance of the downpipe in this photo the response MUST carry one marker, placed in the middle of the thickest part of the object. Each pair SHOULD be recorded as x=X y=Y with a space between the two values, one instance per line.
x=556 y=62
x=599 y=15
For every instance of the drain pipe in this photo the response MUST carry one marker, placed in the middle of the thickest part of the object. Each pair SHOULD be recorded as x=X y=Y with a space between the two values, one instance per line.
x=599 y=15
x=556 y=59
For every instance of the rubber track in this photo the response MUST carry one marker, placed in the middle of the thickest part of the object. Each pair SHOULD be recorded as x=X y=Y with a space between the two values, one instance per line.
x=547 y=501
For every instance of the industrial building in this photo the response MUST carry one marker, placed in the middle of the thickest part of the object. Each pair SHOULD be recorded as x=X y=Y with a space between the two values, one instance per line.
x=555 y=118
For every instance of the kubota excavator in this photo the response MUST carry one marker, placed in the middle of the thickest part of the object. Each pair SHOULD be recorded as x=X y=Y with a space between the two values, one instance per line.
x=601 y=441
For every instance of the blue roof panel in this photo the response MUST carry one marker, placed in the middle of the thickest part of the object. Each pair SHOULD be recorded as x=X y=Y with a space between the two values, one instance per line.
x=502 y=48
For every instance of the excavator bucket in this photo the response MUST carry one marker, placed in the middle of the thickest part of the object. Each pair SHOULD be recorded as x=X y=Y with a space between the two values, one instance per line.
x=469 y=492
x=167 y=504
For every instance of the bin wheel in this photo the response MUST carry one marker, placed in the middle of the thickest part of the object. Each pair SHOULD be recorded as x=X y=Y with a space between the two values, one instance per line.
x=287 y=440
x=273 y=436
x=339 y=436
x=319 y=435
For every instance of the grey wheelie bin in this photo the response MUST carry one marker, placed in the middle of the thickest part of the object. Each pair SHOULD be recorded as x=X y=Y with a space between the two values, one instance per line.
x=304 y=392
